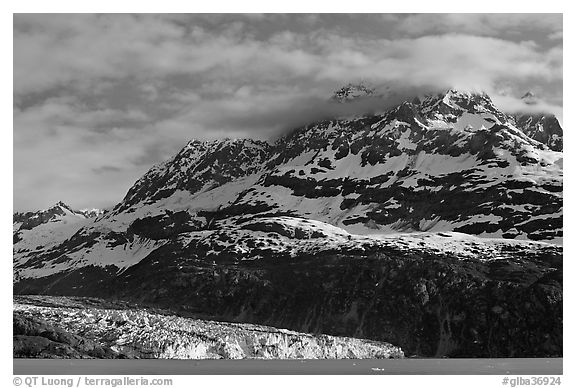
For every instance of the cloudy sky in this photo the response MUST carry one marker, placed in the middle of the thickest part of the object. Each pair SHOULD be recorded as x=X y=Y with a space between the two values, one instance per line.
x=99 y=99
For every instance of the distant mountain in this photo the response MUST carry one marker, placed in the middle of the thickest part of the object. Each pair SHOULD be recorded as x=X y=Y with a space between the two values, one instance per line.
x=29 y=220
x=46 y=227
x=353 y=91
x=542 y=127
x=529 y=98
x=304 y=233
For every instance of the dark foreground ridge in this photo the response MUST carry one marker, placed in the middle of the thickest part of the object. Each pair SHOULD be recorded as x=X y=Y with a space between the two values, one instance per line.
x=486 y=300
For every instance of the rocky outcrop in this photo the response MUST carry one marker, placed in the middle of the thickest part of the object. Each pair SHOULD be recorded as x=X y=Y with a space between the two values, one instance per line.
x=137 y=333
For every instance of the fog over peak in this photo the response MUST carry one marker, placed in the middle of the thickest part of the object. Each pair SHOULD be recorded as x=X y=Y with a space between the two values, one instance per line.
x=101 y=98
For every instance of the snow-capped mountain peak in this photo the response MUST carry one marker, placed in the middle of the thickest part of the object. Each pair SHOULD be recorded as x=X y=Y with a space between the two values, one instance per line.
x=529 y=98
x=50 y=225
x=352 y=91
x=453 y=103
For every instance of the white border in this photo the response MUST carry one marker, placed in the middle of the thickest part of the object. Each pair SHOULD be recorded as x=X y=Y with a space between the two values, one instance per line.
x=357 y=6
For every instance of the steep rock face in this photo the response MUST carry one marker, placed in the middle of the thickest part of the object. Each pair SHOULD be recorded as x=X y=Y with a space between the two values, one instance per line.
x=137 y=333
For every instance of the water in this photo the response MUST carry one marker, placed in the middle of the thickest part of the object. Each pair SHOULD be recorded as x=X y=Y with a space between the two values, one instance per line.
x=408 y=366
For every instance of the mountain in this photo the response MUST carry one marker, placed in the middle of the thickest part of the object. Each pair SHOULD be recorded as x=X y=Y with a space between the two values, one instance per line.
x=432 y=226
x=29 y=220
x=352 y=91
